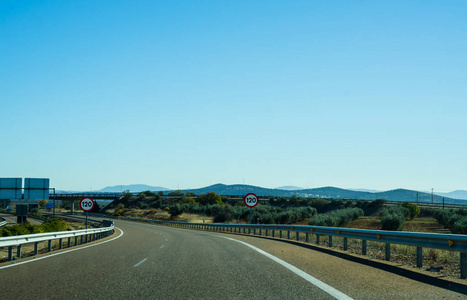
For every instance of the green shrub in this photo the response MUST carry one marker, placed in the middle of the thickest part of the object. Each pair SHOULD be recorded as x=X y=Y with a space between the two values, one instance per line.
x=454 y=220
x=223 y=217
x=27 y=228
x=209 y=198
x=460 y=226
x=414 y=210
x=337 y=218
x=393 y=218
x=175 y=210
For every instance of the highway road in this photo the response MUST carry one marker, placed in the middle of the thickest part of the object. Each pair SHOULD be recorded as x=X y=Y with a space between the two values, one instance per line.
x=154 y=262
x=11 y=219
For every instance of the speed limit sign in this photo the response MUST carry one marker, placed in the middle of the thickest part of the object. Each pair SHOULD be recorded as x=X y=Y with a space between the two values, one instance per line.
x=87 y=204
x=250 y=200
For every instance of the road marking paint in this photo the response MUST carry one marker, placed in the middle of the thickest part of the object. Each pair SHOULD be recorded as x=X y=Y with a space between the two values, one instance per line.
x=314 y=281
x=140 y=263
x=63 y=252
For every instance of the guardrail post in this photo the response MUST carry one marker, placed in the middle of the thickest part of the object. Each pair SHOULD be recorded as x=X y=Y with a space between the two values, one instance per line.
x=388 y=251
x=463 y=265
x=317 y=239
x=297 y=235
x=273 y=232
x=69 y=242
x=288 y=234
x=345 y=244
x=307 y=237
x=330 y=241
x=76 y=240
x=10 y=253
x=280 y=233
x=260 y=231
x=36 y=248
x=266 y=232
x=60 y=244
x=363 y=247
x=50 y=245
x=18 y=251
x=419 y=257
x=254 y=231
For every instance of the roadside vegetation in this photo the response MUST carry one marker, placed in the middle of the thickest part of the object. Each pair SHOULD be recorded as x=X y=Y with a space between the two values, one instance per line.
x=337 y=218
x=27 y=228
x=453 y=219
x=211 y=207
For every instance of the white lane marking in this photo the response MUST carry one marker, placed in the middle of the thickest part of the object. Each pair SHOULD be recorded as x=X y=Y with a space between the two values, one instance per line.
x=316 y=282
x=63 y=252
x=162 y=246
x=140 y=263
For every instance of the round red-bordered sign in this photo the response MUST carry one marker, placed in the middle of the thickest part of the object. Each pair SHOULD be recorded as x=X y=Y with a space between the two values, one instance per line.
x=87 y=204
x=250 y=200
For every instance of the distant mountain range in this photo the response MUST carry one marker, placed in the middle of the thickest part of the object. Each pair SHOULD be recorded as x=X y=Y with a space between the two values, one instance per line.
x=134 y=188
x=327 y=192
x=455 y=197
x=289 y=188
x=459 y=194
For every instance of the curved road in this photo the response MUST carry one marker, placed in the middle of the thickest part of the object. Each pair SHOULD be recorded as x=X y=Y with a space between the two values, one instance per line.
x=155 y=262
x=11 y=219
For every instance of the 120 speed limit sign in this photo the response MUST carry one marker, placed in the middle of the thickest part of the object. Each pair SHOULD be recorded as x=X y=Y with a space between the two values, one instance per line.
x=86 y=204
x=250 y=200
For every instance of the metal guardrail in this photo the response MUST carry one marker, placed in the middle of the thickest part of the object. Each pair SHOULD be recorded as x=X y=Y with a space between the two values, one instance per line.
x=2 y=223
x=452 y=242
x=86 y=235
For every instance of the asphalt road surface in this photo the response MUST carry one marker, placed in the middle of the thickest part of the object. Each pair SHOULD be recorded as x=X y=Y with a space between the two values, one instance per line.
x=154 y=262
x=11 y=219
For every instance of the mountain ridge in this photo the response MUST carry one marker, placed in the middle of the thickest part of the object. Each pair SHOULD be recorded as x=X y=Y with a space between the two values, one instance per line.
x=328 y=192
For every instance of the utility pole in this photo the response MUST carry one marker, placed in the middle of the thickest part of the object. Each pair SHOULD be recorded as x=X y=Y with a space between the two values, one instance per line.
x=431 y=196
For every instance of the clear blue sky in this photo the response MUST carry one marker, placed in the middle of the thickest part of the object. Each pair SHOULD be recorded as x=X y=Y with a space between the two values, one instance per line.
x=184 y=94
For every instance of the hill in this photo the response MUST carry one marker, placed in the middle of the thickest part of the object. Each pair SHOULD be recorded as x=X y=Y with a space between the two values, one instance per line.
x=459 y=194
x=327 y=192
x=134 y=188
x=289 y=188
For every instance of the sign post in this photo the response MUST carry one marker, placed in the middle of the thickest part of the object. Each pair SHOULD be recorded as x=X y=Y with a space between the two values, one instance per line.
x=87 y=204
x=250 y=200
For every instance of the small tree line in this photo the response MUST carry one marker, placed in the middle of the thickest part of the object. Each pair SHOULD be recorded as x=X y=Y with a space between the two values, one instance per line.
x=337 y=218
x=394 y=217
x=264 y=214
x=453 y=219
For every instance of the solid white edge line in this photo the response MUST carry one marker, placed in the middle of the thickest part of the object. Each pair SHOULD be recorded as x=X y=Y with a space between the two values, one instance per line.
x=62 y=252
x=316 y=282
x=140 y=263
